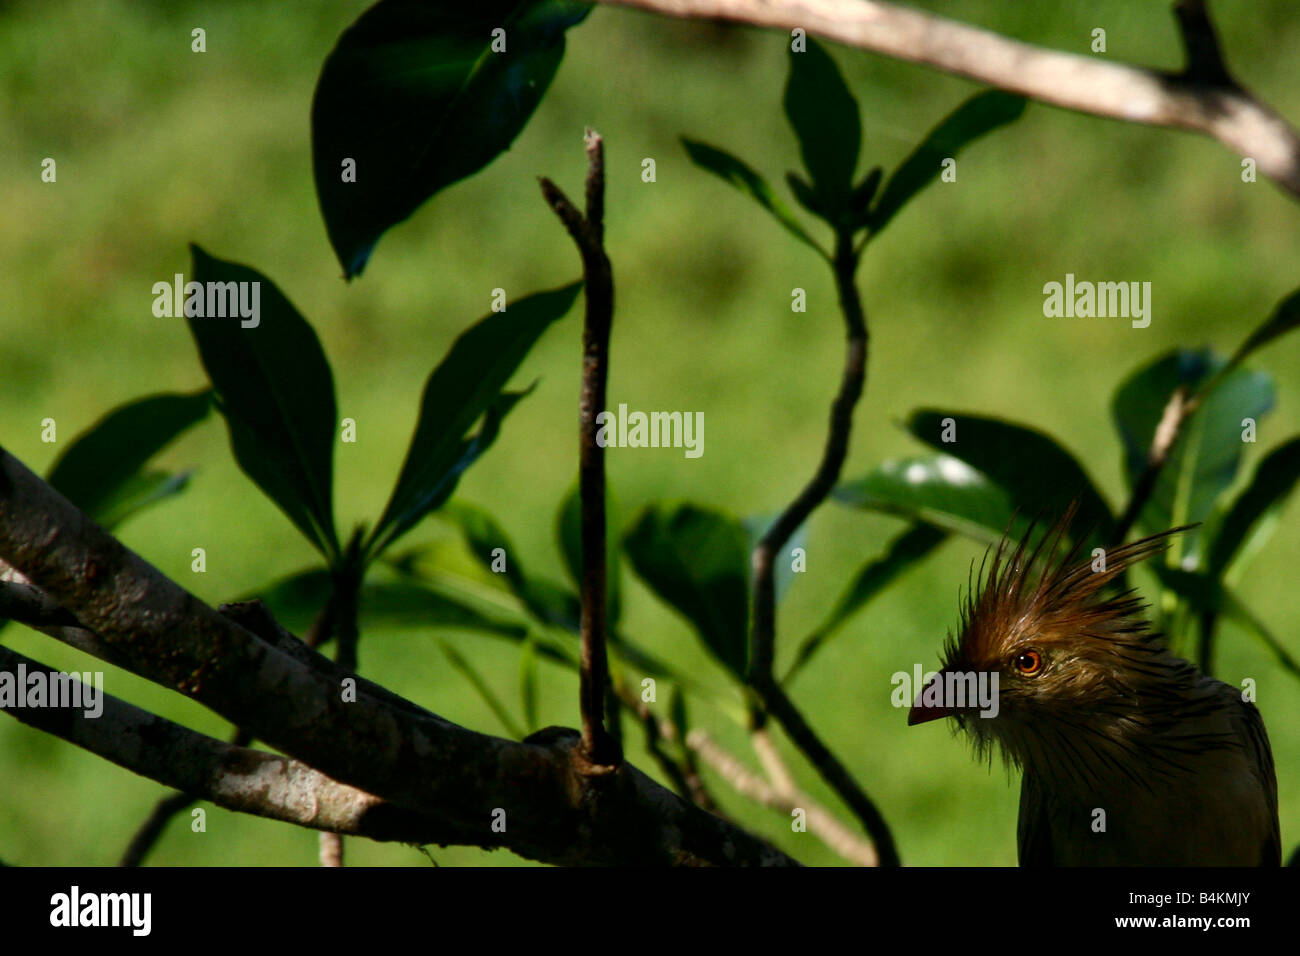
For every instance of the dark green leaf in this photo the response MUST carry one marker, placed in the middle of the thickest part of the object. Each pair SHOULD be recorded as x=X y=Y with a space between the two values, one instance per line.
x=1203 y=462
x=462 y=387
x=139 y=492
x=466 y=670
x=297 y=600
x=1040 y=476
x=415 y=95
x=872 y=578
x=824 y=116
x=547 y=602
x=1285 y=317
x=980 y=114
x=100 y=471
x=939 y=490
x=804 y=193
x=678 y=715
x=275 y=389
x=1204 y=593
x=863 y=193
x=734 y=171
x=1274 y=480
x=568 y=534
x=695 y=560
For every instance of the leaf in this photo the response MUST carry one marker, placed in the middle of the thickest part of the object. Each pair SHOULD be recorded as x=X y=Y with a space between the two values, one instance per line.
x=677 y=713
x=1273 y=482
x=414 y=94
x=783 y=571
x=804 y=193
x=695 y=561
x=466 y=670
x=464 y=385
x=1040 y=476
x=1203 y=462
x=937 y=490
x=547 y=602
x=824 y=117
x=139 y=492
x=274 y=387
x=1203 y=593
x=980 y=114
x=863 y=193
x=100 y=471
x=1285 y=317
x=568 y=533
x=298 y=599
x=908 y=549
x=734 y=171
x=528 y=683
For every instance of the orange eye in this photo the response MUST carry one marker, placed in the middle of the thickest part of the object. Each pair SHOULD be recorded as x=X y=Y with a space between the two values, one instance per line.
x=1029 y=663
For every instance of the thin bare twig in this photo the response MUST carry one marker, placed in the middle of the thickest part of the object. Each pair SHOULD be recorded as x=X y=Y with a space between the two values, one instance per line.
x=763 y=626
x=784 y=797
x=600 y=747
x=1101 y=87
x=1177 y=410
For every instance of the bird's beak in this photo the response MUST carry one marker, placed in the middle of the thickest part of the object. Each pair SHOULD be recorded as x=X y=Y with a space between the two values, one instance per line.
x=920 y=713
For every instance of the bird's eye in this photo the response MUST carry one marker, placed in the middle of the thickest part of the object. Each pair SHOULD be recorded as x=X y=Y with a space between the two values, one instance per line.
x=1029 y=663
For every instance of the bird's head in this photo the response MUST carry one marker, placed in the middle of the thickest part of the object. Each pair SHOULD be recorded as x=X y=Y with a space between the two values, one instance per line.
x=1076 y=668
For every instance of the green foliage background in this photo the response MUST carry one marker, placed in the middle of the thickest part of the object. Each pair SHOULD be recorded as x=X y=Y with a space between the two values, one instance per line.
x=157 y=146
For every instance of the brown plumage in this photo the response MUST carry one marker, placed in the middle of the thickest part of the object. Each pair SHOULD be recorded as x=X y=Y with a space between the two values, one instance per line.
x=1100 y=715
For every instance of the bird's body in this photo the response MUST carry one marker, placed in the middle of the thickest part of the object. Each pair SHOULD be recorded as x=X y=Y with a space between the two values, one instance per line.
x=1130 y=756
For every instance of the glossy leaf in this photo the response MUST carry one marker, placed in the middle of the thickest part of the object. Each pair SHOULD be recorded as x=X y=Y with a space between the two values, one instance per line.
x=937 y=490
x=568 y=533
x=695 y=561
x=274 y=387
x=908 y=549
x=1203 y=462
x=464 y=385
x=101 y=471
x=415 y=95
x=980 y=114
x=1040 y=477
x=734 y=171
x=1273 y=482
x=824 y=116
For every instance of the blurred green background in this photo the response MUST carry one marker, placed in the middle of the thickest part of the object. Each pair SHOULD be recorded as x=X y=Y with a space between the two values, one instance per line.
x=157 y=146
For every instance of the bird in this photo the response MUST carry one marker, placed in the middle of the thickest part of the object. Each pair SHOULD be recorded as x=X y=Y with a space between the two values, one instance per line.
x=1129 y=756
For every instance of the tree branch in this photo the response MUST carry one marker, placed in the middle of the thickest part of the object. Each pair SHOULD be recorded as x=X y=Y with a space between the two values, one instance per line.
x=1194 y=101
x=600 y=747
x=377 y=744
x=237 y=778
